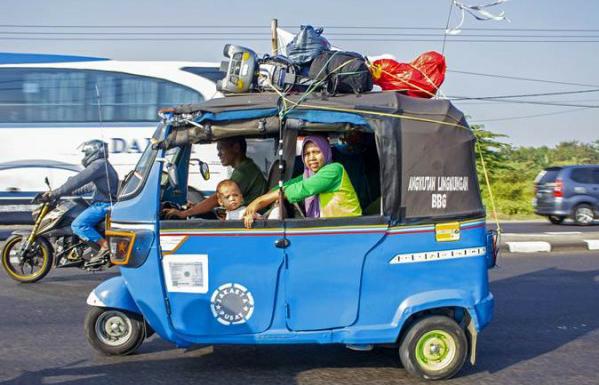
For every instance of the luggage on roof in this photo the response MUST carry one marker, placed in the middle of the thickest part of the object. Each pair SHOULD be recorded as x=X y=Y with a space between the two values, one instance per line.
x=341 y=72
x=420 y=78
x=307 y=45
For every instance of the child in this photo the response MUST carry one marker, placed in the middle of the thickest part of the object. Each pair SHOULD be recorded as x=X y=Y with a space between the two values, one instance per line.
x=230 y=197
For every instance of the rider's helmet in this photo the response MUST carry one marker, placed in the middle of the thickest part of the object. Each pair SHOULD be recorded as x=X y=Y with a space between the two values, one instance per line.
x=92 y=150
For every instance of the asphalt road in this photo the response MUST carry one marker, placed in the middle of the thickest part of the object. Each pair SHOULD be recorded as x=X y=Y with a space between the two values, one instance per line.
x=545 y=331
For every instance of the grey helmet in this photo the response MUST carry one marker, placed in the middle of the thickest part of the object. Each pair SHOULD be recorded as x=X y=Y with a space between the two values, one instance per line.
x=92 y=150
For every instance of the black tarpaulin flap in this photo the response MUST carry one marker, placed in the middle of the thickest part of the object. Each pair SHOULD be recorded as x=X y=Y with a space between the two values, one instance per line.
x=427 y=161
x=438 y=172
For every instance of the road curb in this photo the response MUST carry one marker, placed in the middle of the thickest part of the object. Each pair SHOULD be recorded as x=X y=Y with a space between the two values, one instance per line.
x=528 y=246
x=578 y=244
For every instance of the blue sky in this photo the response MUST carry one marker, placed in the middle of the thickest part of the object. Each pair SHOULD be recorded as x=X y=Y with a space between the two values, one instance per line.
x=562 y=62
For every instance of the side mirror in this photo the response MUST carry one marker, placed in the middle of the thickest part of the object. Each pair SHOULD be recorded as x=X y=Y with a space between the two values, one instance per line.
x=173 y=177
x=47 y=181
x=204 y=168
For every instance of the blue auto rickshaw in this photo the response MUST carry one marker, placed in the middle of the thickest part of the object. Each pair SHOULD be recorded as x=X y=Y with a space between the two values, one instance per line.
x=411 y=273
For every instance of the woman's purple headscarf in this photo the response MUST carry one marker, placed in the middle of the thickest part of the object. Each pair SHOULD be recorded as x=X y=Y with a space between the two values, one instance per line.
x=312 y=203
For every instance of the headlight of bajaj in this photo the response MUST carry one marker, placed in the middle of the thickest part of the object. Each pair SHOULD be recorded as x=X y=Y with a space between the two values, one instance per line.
x=129 y=248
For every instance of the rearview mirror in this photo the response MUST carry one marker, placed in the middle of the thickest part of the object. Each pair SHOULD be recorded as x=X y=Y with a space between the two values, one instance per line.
x=204 y=168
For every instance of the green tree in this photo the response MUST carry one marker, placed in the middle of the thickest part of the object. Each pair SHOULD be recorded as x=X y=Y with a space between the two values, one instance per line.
x=574 y=152
x=491 y=150
x=509 y=181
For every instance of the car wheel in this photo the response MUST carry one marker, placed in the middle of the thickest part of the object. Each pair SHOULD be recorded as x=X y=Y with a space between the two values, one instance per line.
x=434 y=348
x=556 y=219
x=584 y=215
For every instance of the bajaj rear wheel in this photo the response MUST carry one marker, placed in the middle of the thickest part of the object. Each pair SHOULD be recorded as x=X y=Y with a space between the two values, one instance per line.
x=29 y=266
x=434 y=348
x=114 y=332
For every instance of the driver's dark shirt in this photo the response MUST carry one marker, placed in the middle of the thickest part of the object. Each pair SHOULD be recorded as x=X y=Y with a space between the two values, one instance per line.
x=250 y=180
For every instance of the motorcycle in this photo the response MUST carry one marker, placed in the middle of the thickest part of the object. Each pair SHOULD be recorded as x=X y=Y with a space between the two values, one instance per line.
x=29 y=256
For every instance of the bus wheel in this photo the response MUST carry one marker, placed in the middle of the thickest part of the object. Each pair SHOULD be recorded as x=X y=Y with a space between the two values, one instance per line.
x=114 y=331
x=434 y=348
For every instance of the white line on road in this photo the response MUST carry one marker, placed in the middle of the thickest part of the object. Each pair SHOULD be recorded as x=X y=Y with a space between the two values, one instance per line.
x=528 y=247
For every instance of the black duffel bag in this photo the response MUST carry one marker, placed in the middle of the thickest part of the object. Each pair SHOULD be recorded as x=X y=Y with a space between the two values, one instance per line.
x=341 y=72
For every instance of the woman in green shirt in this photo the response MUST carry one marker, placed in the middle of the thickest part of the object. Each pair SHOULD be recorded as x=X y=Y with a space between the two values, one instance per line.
x=324 y=188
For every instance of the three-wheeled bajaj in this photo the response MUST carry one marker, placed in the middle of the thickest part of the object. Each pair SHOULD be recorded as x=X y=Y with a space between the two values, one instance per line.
x=411 y=273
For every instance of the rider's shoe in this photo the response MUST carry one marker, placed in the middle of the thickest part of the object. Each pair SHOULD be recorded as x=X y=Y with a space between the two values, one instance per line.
x=99 y=258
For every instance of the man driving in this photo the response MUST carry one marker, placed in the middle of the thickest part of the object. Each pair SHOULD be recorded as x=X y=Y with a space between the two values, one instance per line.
x=247 y=175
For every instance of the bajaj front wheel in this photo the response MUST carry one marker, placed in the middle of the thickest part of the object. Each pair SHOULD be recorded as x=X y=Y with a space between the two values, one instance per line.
x=114 y=332
x=28 y=265
x=434 y=348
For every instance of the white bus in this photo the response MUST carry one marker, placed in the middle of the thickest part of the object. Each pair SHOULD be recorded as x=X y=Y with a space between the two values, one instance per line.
x=50 y=104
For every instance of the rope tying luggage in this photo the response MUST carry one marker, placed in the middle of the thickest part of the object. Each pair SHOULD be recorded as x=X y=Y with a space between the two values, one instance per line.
x=489 y=189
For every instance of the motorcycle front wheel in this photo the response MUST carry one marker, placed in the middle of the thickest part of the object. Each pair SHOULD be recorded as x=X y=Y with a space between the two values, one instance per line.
x=29 y=266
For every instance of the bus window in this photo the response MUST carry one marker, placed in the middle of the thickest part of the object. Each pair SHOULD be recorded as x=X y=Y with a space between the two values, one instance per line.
x=35 y=95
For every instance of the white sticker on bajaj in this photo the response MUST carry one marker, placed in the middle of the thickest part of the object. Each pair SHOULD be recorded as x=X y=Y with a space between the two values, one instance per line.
x=186 y=273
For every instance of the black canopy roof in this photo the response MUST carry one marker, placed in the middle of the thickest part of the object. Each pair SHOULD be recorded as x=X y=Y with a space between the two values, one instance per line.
x=425 y=146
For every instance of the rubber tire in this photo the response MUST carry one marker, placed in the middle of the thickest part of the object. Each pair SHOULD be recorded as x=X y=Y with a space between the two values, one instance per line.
x=407 y=347
x=45 y=248
x=149 y=331
x=138 y=334
x=581 y=206
x=556 y=219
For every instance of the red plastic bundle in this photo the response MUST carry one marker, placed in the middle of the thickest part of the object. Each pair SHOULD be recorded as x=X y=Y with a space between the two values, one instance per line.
x=421 y=78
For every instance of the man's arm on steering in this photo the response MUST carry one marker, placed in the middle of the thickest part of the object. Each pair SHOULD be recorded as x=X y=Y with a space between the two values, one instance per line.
x=203 y=207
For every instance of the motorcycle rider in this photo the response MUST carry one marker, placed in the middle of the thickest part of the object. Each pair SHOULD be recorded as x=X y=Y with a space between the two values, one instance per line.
x=98 y=177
